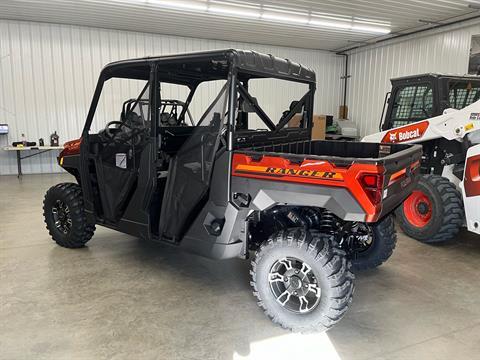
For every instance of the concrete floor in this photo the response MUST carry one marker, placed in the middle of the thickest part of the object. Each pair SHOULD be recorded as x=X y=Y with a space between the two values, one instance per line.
x=120 y=298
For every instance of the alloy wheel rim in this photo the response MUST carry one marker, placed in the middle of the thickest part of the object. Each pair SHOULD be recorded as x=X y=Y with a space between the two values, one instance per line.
x=61 y=217
x=294 y=285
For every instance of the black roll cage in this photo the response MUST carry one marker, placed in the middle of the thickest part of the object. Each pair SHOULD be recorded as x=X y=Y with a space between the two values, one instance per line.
x=237 y=66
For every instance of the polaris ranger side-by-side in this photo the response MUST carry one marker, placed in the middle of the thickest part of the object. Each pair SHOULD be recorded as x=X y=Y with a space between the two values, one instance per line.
x=442 y=113
x=223 y=188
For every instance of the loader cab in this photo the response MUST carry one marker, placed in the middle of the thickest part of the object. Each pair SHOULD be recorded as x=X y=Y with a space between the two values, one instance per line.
x=419 y=97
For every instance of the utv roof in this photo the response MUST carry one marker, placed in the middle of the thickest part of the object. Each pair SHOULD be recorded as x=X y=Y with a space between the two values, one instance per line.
x=436 y=76
x=192 y=68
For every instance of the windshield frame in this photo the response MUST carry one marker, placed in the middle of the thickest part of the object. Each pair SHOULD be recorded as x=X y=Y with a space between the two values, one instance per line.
x=106 y=76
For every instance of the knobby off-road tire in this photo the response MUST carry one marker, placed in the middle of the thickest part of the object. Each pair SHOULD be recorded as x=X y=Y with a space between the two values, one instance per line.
x=65 y=217
x=327 y=268
x=434 y=211
x=383 y=242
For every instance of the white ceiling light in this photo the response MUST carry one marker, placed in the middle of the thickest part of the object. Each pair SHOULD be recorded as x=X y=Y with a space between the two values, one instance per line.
x=371 y=22
x=183 y=5
x=285 y=18
x=252 y=11
x=370 y=29
x=350 y=26
x=331 y=24
x=234 y=11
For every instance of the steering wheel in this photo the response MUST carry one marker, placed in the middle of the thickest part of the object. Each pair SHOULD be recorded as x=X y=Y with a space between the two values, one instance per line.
x=108 y=131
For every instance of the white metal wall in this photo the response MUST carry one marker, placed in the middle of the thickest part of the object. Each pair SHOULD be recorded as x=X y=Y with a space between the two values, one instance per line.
x=372 y=68
x=48 y=73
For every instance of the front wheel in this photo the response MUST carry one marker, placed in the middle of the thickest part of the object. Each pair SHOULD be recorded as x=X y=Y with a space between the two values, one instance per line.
x=302 y=280
x=65 y=217
x=433 y=213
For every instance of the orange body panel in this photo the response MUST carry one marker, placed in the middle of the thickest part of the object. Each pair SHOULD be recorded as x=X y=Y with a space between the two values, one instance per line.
x=71 y=148
x=313 y=172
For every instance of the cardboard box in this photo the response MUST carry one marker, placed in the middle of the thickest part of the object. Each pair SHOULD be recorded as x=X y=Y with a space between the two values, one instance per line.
x=343 y=112
x=319 y=125
x=295 y=121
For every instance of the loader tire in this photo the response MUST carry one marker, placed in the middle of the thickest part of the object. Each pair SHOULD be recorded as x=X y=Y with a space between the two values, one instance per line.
x=311 y=272
x=65 y=217
x=434 y=212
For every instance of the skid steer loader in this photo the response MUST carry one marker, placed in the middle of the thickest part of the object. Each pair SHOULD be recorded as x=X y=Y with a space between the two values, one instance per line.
x=442 y=113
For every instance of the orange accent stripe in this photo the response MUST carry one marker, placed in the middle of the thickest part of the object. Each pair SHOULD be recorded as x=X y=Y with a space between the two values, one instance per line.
x=251 y=168
x=398 y=174
x=395 y=176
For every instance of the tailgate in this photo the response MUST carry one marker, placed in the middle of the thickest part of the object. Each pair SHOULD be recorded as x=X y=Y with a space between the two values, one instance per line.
x=401 y=173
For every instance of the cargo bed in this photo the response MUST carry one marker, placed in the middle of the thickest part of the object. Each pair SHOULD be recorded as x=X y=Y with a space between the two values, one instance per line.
x=378 y=176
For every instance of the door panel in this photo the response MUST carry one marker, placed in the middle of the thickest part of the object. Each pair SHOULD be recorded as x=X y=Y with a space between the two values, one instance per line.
x=115 y=151
x=190 y=171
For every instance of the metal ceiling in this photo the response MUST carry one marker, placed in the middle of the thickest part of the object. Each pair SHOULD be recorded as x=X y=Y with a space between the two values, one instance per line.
x=149 y=16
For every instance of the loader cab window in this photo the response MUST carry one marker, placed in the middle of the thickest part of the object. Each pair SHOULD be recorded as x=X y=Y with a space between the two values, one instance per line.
x=462 y=93
x=412 y=103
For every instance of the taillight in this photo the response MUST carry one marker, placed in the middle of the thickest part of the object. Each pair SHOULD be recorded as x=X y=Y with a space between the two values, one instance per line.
x=471 y=180
x=372 y=184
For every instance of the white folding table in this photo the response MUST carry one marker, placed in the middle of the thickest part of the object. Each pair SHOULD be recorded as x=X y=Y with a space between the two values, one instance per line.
x=37 y=150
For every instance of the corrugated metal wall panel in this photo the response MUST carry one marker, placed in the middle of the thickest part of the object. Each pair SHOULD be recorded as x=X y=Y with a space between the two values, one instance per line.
x=48 y=73
x=372 y=68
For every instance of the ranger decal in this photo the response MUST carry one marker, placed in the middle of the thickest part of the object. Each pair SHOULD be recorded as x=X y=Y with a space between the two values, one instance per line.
x=280 y=172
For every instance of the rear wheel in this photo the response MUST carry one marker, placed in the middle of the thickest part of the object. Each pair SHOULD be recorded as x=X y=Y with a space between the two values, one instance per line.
x=433 y=212
x=302 y=280
x=65 y=217
x=374 y=244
